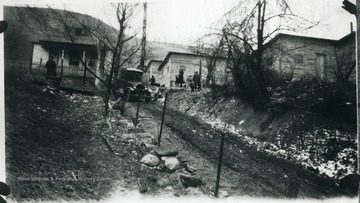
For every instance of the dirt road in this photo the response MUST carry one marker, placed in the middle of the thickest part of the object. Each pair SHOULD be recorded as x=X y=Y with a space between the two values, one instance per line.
x=55 y=150
x=245 y=171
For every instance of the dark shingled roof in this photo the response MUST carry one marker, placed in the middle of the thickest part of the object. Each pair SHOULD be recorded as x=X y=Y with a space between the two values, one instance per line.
x=54 y=25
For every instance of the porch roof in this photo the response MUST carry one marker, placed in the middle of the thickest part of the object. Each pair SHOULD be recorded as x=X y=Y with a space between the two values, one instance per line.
x=66 y=45
x=84 y=40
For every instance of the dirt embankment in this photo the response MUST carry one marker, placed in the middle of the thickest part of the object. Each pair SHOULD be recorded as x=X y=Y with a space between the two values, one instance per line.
x=323 y=144
x=55 y=149
x=245 y=171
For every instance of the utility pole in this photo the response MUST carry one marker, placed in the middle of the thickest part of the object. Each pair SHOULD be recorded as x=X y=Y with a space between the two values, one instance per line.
x=143 y=41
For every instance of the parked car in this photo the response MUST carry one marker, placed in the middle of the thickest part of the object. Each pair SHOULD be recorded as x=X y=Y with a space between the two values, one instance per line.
x=130 y=86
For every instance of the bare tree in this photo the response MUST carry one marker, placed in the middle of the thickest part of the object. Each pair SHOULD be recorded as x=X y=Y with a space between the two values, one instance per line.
x=212 y=52
x=115 y=49
x=247 y=28
x=345 y=64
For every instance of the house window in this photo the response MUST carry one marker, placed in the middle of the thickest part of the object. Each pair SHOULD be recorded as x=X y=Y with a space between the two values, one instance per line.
x=74 y=56
x=167 y=69
x=299 y=59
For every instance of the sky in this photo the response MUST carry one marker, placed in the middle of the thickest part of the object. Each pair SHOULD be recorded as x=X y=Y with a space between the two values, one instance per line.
x=184 y=21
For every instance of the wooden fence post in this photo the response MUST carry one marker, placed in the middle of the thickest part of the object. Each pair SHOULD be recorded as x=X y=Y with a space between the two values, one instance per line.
x=216 y=194
x=162 y=119
x=137 y=112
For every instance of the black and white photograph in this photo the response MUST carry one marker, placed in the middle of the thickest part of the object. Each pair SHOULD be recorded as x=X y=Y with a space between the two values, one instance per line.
x=179 y=100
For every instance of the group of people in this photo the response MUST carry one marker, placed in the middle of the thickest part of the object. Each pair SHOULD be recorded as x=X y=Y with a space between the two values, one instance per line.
x=194 y=82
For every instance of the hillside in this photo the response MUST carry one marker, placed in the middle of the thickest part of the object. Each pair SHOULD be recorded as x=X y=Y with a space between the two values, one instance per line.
x=323 y=144
x=158 y=50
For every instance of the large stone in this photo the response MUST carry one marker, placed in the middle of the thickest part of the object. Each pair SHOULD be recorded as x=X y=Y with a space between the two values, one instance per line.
x=190 y=181
x=223 y=193
x=189 y=168
x=166 y=150
x=171 y=163
x=150 y=160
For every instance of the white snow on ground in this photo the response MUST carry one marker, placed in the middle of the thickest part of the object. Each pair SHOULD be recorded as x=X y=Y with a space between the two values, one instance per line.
x=337 y=168
x=329 y=168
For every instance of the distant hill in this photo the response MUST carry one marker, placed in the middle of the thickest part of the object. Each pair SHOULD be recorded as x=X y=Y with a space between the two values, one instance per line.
x=159 y=50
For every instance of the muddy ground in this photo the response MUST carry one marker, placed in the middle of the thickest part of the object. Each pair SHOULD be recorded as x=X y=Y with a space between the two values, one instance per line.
x=59 y=148
x=245 y=170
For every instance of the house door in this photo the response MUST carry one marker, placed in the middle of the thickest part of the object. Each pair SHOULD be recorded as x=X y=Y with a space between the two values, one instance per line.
x=320 y=66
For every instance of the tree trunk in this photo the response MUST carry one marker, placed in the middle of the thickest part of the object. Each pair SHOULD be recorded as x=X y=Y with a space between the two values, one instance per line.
x=258 y=63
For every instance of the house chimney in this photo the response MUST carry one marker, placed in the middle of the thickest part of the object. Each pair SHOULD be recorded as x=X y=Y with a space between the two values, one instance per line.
x=351 y=27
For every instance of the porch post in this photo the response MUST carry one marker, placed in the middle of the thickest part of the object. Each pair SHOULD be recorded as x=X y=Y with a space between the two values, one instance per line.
x=62 y=62
x=31 y=57
x=84 y=64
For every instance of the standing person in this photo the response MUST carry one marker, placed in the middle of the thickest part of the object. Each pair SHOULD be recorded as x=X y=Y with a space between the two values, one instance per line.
x=196 y=80
x=152 y=80
x=50 y=67
x=181 y=77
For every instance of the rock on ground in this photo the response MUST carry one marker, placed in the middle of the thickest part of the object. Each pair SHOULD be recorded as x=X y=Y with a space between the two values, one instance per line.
x=223 y=193
x=166 y=150
x=171 y=162
x=150 y=160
